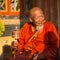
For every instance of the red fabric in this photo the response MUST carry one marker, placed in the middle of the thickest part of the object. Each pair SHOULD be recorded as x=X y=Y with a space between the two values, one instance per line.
x=19 y=57
x=38 y=43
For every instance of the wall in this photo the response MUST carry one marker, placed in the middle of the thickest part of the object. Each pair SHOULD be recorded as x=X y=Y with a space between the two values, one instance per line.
x=51 y=10
x=10 y=25
x=58 y=9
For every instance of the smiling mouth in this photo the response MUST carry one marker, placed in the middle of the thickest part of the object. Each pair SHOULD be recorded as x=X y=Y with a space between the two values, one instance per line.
x=38 y=23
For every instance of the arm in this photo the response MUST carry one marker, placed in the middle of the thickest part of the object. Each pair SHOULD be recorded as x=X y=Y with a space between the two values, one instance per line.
x=52 y=28
x=55 y=32
x=21 y=38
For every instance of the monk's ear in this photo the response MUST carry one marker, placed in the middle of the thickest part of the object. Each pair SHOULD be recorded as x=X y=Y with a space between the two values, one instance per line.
x=30 y=19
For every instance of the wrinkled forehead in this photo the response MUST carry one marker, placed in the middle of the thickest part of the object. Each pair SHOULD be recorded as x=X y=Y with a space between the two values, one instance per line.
x=35 y=11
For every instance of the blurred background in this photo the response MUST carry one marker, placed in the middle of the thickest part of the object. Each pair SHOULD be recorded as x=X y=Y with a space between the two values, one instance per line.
x=12 y=12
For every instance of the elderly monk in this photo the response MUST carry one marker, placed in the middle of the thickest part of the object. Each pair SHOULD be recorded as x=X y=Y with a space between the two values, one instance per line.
x=32 y=36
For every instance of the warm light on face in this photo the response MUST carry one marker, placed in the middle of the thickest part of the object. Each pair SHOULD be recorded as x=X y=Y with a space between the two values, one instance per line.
x=38 y=17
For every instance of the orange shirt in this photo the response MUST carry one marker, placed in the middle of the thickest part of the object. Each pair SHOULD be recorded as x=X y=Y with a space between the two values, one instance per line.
x=38 y=43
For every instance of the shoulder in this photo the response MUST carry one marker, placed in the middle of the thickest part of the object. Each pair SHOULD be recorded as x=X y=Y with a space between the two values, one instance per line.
x=49 y=24
x=25 y=26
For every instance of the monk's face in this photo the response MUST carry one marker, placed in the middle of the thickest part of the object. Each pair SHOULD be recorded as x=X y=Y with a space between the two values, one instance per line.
x=37 y=17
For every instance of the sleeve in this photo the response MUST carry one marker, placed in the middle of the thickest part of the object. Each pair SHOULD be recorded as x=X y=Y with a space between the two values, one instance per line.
x=21 y=38
x=51 y=42
x=56 y=33
x=51 y=28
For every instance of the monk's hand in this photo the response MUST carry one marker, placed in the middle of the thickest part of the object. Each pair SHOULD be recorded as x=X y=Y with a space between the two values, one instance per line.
x=14 y=44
